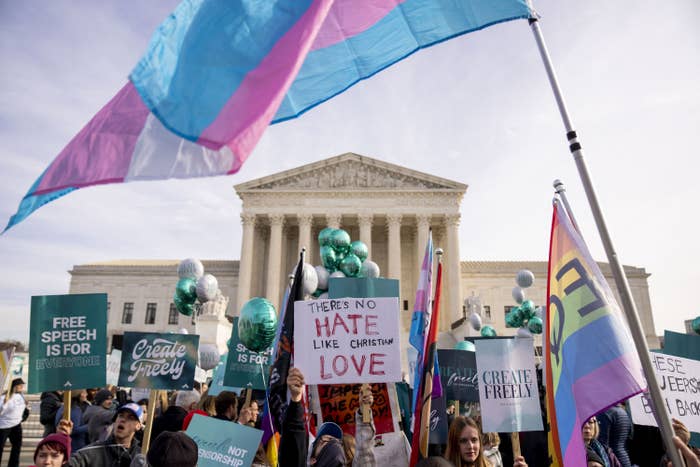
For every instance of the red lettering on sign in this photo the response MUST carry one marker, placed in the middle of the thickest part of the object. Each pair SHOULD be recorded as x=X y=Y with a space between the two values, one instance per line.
x=374 y=362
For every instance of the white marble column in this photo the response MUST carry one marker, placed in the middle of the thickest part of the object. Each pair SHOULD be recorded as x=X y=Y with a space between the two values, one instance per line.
x=305 y=240
x=333 y=220
x=394 y=240
x=365 y=221
x=452 y=284
x=422 y=230
x=245 y=266
x=274 y=259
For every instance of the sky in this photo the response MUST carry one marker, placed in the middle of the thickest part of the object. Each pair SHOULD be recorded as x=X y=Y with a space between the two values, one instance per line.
x=477 y=109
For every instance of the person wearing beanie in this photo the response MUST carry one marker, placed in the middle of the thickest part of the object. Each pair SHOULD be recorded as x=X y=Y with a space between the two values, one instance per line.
x=11 y=416
x=52 y=451
x=173 y=449
x=99 y=416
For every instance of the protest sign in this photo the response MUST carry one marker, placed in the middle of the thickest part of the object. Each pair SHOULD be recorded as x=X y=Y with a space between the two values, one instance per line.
x=244 y=367
x=508 y=385
x=221 y=442
x=392 y=449
x=438 y=420
x=158 y=360
x=362 y=287
x=339 y=402
x=347 y=340
x=458 y=375
x=114 y=361
x=217 y=379
x=67 y=342
x=679 y=381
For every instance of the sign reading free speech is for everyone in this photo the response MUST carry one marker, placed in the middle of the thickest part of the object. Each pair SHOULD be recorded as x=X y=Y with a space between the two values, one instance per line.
x=68 y=342
x=158 y=360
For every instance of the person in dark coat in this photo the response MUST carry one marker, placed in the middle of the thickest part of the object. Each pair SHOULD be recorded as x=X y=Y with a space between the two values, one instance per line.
x=79 y=435
x=226 y=405
x=99 y=416
x=615 y=427
x=50 y=402
x=171 y=419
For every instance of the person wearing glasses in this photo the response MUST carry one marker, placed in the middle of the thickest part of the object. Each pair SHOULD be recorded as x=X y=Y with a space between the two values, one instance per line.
x=590 y=431
x=464 y=445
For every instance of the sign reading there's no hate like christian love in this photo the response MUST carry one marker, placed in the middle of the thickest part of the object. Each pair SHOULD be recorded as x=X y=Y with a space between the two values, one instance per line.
x=158 y=360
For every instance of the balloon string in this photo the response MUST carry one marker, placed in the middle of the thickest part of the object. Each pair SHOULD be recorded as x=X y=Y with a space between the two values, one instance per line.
x=267 y=401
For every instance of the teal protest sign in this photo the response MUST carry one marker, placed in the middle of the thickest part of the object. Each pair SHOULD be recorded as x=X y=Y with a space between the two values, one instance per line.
x=67 y=342
x=217 y=380
x=220 y=442
x=158 y=361
x=362 y=287
x=243 y=367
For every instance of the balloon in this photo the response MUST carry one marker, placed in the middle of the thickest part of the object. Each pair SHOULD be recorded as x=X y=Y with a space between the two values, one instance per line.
x=475 y=321
x=322 y=275
x=528 y=309
x=359 y=249
x=183 y=331
x=518 y=295
x=186 y=290
x=337 y=274
x=539 y=311
x=324 y=236
x=323 y=296
x=182 y=307
x=535 y=325
x=465 y=345
x=695 y=325
x=207 y=288
x=257 y=324
x=524 y=332
x=208 y=356
x=340 y=241
x=488 y=331
x=514 y=318
x=369 y=269
x=524 y=278
x=310 y=279
x=328 y=257
x=191 y=268
x=351 y=265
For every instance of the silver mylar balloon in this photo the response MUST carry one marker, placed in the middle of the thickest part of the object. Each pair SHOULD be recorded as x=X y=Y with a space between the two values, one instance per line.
x=518 y=295
x=524 y=332
x=369 y=269
x=183 y=331
x=207 y=288
x=310 y=279
x=337 y=274
x=524 y=278
x=208 y=356
x=475 y=321
x=539 y=311
x=190 y=267
x=322 y=274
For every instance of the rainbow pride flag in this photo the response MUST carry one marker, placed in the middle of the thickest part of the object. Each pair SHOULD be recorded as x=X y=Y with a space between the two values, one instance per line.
x=591 y=361
x=217 y=73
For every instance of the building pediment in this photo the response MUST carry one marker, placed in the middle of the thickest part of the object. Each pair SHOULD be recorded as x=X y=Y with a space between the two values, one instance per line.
x=350 y=172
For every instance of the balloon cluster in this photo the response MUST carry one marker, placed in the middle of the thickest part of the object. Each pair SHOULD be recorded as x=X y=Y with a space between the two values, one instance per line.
x=193 y=285
x=526 y=315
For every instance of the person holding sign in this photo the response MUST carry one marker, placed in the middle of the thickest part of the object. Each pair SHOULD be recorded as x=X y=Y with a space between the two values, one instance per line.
x=12 y=410
x=464 y=445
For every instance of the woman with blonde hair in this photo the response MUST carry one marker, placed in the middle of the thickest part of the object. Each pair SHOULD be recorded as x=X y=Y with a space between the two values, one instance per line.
x=464 y=445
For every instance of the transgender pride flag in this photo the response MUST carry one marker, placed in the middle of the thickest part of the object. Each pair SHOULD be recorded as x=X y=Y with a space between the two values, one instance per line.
x=591 y=360
x=218 y=72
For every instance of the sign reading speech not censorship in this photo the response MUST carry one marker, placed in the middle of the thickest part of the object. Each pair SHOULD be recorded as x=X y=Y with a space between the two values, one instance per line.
x=67 y=342
x=220 y=442
x=347 y=340
x=158 y=361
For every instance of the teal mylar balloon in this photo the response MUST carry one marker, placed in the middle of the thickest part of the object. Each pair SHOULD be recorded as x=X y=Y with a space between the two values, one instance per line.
x=465 y=345
x=528 y=309
x=324 y=236
x=359 y=249
x=186 y=289
x=350 y=265
x=328 y=258
x=340 y=241
x=696 y=325
x=182 y=307
x=514 y=318
x=257 y=324
x=535 y=325
x=488 y=331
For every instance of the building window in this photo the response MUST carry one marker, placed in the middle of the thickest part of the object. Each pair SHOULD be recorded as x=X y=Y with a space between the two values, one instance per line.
x=150 y=313
x=128 y=313
x=507 y=310
x=405 y=305
x=172 y=314
x=487 y=312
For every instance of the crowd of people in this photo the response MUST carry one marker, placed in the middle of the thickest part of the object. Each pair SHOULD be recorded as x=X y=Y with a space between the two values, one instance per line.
x=105 y=428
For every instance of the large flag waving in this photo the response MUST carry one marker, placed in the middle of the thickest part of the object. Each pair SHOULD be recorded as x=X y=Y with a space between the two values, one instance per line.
x=421 y=316
x=217 y=73
x=590 y=356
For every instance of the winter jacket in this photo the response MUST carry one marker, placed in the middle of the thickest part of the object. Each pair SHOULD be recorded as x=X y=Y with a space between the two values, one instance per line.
x=50 y=402
x=99 y=422
x=105 y=454
x=78 y=437
x=12 y=410
x=364 y=442
x=493 y=455
x=294 y=443
x=615 y=430
x=170 y=420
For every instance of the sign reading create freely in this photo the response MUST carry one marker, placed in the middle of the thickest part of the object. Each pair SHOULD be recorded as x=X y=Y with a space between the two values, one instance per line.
x=508 y=392
x=347 y=340
x=679 y=381
x=67 y=342
x=245 y=367
x=458 y=375
x=158 y=361
x=221 y=442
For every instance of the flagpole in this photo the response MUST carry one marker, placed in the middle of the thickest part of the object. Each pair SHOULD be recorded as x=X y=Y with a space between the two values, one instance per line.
x=561 y=191
x=628 y=305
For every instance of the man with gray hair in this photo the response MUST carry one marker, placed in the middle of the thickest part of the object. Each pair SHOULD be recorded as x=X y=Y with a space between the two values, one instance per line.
x=171 y=419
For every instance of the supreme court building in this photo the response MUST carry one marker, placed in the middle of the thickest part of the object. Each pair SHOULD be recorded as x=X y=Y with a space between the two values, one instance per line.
x=390 y=208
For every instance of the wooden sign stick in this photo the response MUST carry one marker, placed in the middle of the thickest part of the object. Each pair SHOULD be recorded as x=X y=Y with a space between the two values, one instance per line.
x=366 y=409
x=66 y=404
x=152 y=401
x=515 y=441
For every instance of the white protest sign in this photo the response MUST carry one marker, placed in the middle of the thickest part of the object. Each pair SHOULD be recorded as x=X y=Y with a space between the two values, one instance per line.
x=508 y=392
x=679 y=381
x=113 y=364
x=348 y=340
